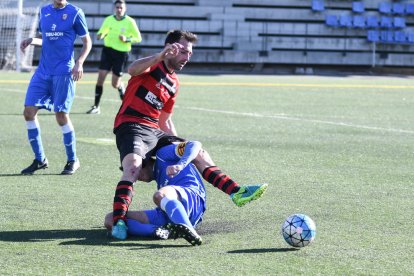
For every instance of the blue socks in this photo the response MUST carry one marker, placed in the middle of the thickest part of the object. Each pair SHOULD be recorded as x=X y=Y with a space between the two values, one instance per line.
x=136 y=228
x=33 y=133
x=69 y=140
x=35 y=139
x=175 y=211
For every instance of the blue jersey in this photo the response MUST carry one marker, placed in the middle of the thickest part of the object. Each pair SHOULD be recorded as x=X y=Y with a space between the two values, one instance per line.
x=187 y=178
x=59 y=29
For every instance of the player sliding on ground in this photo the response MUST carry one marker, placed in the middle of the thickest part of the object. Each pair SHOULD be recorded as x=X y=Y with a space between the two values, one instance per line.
x=146 y=116
x=180 y=199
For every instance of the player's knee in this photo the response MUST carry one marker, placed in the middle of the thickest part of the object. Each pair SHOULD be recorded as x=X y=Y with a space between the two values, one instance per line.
x=29 y=114
x=132 y=164
x=157 y=197
x=62 y=118
x=203 y=160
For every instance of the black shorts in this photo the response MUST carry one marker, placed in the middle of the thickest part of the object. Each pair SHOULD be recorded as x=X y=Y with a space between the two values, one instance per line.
x=141 y=139
x=113 y=60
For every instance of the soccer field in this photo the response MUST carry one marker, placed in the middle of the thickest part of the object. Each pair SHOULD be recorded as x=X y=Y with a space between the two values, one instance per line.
x=339 y=149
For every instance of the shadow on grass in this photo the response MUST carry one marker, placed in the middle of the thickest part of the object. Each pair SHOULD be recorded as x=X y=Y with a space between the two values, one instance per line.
x=94 y=237
x=262 y=250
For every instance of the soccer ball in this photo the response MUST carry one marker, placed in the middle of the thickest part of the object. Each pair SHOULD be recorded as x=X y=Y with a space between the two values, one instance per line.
x=298 y=230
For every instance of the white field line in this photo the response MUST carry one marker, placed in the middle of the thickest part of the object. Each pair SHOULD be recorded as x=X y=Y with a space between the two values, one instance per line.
x=278 y=116
x=291 y=118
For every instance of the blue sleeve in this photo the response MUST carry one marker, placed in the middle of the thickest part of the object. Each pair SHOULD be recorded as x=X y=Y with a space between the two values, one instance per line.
x=192 y=148
x=80 y=25
x=167 y=153
x=182 y=153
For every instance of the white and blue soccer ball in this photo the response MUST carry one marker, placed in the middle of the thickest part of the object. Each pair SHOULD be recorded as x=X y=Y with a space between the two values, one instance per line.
x=299 y=230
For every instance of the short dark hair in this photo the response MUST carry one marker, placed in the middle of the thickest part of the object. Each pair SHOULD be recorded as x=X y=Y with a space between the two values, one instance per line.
x=174 y=36
x=119 y=2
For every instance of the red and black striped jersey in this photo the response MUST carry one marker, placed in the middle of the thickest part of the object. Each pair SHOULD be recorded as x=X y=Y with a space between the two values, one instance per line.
x=146 y=95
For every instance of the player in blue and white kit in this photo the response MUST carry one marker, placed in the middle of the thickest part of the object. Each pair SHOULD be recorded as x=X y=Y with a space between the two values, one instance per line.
x=180 y=199
x=52 y=86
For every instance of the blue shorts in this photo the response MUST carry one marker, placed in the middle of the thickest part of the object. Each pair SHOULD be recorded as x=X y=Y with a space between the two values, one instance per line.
x=193 y=204
x=51 y=92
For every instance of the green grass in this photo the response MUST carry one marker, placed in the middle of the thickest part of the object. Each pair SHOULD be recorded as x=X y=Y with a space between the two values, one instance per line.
x=339 y=149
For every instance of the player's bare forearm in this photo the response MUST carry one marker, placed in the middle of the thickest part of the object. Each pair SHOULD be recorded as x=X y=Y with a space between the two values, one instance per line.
x=35 y=41
x=87 y=46
x=168 y=127
x=143 y=65
x=77 y=71
x=166 y=124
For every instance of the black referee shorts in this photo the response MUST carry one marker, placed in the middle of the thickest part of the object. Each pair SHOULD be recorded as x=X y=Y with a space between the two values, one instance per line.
x=113 y=60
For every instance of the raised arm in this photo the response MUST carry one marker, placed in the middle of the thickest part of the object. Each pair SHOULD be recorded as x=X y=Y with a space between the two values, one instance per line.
x=143 y=65
x=191 y=150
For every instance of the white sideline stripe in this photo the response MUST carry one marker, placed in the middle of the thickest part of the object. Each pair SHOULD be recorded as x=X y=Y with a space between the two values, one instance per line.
x=281 y=117
x=286 y=117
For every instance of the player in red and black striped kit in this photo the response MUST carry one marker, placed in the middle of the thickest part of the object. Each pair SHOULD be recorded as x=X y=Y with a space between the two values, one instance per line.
x=145 y=117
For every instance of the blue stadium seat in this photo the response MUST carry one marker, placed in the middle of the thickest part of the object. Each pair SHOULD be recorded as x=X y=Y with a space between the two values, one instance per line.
x=318 y=5
x=400 y=37
x=398 y=8
x=373 y=35
x=386 y=22
x=372 y=21
x=410 y=37
x=387 y=36
x=359 y=21
x=345 y=20
x=409 y=9
x=332 y=20
x=399 y=22
x=385 y=7
x=358 y=7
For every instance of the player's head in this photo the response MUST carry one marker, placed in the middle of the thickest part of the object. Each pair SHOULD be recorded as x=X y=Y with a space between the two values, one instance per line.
x=146 y=174
x=185 y=41
x=120 y=8
x=174 y=36
x=59 y=3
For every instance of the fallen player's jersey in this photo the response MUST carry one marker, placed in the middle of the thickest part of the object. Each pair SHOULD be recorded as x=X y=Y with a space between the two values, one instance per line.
x=187 y=178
